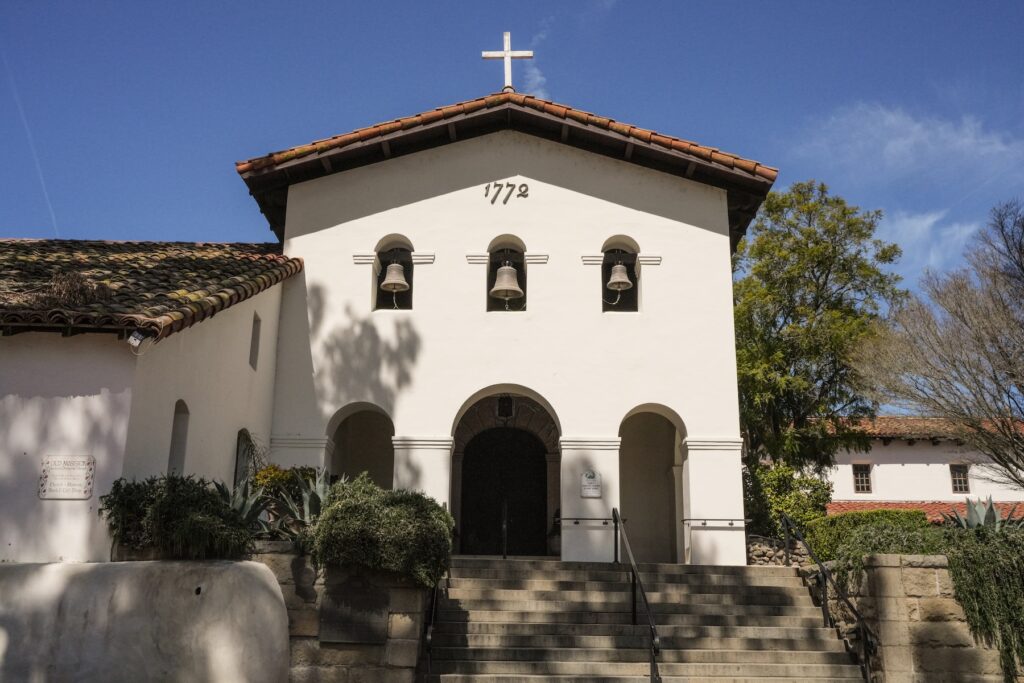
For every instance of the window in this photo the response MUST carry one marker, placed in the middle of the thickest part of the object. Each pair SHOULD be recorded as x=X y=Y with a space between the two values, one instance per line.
x=394 y=280
x=958 y=474
x=254 y=342
x=506 y=289
x=179 y=439
x=615 y=294
x=862 y=478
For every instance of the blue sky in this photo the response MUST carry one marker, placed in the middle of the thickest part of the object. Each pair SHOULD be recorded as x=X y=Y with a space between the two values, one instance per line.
x=123 y=120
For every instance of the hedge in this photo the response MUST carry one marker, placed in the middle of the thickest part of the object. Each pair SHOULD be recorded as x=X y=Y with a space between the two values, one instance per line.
x=363 y=525
x=827 y=534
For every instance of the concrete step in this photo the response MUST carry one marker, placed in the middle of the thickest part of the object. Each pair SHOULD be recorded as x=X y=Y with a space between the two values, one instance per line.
x=562 y=620
x=526 y=678
x=592 y=607
x=736 y=595
x=544 y=566
x=711 y=583
x=640 y=654
x=823 y=642
x=665 y=630
x=589 y=668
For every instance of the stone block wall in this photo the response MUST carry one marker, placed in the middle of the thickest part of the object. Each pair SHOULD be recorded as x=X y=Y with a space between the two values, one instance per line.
x=313 y=661
x=924 y=638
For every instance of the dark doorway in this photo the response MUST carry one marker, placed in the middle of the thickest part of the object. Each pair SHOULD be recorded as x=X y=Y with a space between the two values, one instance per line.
x=504 y=479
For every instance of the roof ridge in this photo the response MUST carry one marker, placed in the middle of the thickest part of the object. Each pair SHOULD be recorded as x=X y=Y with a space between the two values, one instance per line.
x=711 y=154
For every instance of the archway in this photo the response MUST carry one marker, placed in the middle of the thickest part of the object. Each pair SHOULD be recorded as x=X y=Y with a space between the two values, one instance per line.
x=362 y=443
x=505 y=477
x=648 y=484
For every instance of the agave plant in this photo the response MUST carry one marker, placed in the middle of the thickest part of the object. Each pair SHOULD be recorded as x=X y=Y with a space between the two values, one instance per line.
x=984 y=513
x=248 y=502
x=313 y=493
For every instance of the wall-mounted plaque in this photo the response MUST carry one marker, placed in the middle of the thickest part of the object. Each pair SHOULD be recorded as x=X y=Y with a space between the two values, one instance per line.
x=590 y=484
x=67 y=477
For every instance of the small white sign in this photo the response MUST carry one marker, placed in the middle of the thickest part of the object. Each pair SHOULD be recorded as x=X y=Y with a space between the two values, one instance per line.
x=590 y=484
x=67 y=477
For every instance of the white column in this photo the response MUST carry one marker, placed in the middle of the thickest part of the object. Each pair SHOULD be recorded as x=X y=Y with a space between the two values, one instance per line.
x=424 y=464
x=457 y=495
x=589 y=541
x=554 y=461
x=713 y=498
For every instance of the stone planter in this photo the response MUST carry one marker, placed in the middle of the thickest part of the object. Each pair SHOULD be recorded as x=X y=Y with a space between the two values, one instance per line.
x=346 y=624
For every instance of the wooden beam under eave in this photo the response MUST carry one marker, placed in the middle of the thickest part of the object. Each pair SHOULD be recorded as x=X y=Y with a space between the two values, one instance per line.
x=628 y=153
x=451 y=132
x=385 y=147
x=325 y=161
x=565 y=133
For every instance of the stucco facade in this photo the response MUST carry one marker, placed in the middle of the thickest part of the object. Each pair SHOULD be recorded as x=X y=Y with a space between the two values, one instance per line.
x=917 y=470
x=590 y=369
x=91 y=395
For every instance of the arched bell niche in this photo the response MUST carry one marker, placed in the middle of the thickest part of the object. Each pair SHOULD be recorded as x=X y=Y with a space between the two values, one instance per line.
x=504 y=252
x=393 y=252
x=506 y=477
x=620 y=250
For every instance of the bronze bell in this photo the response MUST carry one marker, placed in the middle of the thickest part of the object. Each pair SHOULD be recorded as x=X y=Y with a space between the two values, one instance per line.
x=619 y=281
x=506 y=283
x=394 y=279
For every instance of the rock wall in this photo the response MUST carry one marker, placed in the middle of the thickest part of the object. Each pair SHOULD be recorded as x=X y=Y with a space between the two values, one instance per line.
x=221 y=622
x=923 y=635
x=343 y=626
x=764 y=551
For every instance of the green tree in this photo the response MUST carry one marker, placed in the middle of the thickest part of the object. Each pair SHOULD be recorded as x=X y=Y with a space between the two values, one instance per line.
x=809 y=281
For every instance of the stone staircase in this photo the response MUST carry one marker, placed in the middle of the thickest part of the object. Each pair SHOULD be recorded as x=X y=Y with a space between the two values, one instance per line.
x=505 y=621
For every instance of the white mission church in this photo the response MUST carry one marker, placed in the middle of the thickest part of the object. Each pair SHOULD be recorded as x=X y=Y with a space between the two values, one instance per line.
x=520 y=308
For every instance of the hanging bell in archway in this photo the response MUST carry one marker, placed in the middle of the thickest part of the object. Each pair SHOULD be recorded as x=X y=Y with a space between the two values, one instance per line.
x=506 y=283
x=394 y=279
x=619 y=281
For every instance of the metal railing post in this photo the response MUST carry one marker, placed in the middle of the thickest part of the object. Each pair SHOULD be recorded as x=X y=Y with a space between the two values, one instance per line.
x=615 y=521
x=785 y=528
x=504 y=529
x=823 y=584
x=632 y=587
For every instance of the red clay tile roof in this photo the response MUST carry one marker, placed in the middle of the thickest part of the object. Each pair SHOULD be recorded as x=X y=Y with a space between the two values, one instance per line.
x=933 y=509
x=156 y=287
x=907 y=427
x=560 y=110
x=746 y=182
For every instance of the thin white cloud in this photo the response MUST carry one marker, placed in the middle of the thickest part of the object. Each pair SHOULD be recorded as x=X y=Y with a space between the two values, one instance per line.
x=928 y=243
x=536 y=82
x=875 y=144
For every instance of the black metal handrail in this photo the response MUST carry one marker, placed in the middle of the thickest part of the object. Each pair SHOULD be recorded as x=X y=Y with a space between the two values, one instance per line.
x=636 y=582
x=428 y=637
x=867 y=639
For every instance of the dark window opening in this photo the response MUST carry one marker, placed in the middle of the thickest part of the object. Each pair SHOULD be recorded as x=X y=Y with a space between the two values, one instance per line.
x=625 y=299
x=961 y=482
x=394 y=300
x=517 y=261
x=862 y=478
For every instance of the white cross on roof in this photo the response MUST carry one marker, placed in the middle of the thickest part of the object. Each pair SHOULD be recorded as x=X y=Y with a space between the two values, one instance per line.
x=508 y=54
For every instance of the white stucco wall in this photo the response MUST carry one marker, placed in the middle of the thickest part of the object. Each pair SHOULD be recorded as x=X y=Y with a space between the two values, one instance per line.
x=423 y=367
x=915 y=472
x=59 y=396
x=207 y=366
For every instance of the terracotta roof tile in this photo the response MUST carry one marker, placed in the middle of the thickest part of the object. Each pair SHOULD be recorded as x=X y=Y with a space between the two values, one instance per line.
x=907 y=427
x=725 y=159
x=933 y=509
x=158 y=287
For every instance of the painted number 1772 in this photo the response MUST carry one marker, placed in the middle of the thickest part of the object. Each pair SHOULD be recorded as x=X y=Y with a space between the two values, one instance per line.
x=494 y=191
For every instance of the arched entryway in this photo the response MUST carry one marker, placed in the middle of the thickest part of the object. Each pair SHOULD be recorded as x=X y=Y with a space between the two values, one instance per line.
x=505 y=478
x=649 y=469
x=362 y=443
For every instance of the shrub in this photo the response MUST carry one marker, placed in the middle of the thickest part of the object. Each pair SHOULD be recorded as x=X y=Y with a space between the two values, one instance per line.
x=826 y=534
x=182 y=517
x=277 y=481
x=771 y=490
x=881 y=535
x=363 y=525
x=987 y=568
